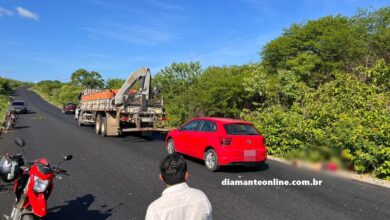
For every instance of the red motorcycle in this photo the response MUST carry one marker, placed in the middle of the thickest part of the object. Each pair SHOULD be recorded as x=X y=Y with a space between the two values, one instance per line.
x=33 y=183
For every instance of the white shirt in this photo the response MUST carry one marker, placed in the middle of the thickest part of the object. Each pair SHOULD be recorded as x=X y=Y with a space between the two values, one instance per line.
x=180 y=202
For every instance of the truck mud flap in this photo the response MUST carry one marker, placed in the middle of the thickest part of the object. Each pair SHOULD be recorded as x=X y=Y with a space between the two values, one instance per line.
x=112 y=125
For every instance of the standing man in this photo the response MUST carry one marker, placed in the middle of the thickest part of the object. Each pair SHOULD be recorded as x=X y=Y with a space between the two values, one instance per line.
x=178 y=201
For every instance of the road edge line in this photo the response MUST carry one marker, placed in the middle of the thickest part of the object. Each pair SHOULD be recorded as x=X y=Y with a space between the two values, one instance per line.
x=340 y=173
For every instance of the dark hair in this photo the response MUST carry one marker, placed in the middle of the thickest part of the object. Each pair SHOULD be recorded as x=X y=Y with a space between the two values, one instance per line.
x=173 y=169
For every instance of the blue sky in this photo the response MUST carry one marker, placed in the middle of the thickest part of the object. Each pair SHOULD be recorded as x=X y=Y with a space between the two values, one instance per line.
x=50 y=39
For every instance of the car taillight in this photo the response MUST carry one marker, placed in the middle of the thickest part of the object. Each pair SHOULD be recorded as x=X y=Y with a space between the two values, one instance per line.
x=225 y=141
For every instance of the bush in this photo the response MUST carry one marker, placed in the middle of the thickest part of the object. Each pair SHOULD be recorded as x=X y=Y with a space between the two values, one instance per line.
x=67 y=93
x=6 y=88
x=344 y=120
x=58 y=93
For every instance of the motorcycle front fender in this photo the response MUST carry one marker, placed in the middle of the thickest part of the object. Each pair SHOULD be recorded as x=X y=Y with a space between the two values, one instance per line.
x=38 y=204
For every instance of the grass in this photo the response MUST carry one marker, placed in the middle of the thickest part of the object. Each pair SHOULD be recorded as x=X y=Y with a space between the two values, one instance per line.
x=46 y=97
x=4 y=100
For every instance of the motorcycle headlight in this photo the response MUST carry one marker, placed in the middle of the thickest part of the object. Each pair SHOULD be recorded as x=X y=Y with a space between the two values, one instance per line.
x=40 y=185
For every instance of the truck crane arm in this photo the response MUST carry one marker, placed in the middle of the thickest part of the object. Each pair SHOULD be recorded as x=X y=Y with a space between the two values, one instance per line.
x=141 y=74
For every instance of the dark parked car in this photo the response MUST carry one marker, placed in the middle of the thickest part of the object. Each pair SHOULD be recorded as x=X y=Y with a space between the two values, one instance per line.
x=69 y=108
x=18 y=106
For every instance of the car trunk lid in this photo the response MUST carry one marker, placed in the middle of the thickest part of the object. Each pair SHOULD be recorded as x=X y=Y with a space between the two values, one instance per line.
x=243 y=135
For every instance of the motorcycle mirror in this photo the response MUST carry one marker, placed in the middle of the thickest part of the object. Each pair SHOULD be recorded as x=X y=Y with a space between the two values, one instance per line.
x=19 y=142
x=68 y=157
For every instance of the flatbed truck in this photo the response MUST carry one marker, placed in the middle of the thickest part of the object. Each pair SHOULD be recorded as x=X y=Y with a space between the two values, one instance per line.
x=128 y=109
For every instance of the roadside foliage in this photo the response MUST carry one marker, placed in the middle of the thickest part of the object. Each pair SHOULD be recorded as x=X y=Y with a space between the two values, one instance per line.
x=6 y=89
x=321 y=91
x=59 y=93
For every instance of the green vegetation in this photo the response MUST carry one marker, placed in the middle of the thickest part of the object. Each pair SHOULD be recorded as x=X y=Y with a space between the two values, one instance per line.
x=59 y=93
x=114 y=83
x=320 y=92
x=6 y=88
x=83 y=78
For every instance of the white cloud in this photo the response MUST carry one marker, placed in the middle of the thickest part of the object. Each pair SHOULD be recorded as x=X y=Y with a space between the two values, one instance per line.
x=5 y=12
x=26 y=13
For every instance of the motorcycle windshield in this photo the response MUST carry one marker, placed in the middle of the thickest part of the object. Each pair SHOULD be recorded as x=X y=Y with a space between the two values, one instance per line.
x=44 y=169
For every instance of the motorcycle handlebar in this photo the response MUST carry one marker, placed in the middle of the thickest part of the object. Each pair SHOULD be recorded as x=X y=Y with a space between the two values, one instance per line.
x=28 y=164
x=63 y=171
x=58 y=170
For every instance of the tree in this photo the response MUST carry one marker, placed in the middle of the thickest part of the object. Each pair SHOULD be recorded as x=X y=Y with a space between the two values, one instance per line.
x=114 y=83
x=281 y=88
x=5 y=87
x=317 y=48
x=175 y=82
x=219 y=92
x=177 y=78
x=376 y=29
x=92 y=79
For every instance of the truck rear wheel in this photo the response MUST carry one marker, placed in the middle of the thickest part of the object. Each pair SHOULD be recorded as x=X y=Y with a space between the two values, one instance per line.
x=103 y=127
x=98 y=124
x=80 y=119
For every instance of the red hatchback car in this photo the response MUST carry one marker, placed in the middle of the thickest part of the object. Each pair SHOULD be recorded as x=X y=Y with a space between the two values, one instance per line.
x=218 y=141
x=69 y=108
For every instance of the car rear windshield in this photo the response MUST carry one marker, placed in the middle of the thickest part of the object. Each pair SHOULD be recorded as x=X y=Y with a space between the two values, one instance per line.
x=240 y=129
x=18 y=103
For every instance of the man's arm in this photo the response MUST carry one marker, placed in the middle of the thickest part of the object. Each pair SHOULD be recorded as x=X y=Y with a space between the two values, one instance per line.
x=210 y=214
x=209 y=209
x=151 y=214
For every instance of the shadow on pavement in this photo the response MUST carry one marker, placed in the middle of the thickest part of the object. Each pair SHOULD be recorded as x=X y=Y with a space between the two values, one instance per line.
x=243 y=168
x=79 y=208
x=21 y=127
x=5 y=187
x=143 y=136
x=29 y=112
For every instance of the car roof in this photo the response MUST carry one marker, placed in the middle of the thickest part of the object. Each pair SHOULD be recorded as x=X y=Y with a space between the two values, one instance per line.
x=18 y=101
x=223 y=120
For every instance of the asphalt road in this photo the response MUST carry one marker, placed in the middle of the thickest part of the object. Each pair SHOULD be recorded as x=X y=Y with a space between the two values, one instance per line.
x=117 y=178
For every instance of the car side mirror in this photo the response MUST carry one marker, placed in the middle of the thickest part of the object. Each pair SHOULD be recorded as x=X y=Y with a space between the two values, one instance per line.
x=68 y=157
x=19 y=142
x=179 y=128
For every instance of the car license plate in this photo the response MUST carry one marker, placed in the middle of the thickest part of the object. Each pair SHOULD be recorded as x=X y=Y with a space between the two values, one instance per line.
x=249 y=155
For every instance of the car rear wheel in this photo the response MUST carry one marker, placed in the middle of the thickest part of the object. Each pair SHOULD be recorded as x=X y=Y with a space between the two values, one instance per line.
x=29 y=217
x=98 y=124
x=103 y=129
x=171 y=146
x=211 y=160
